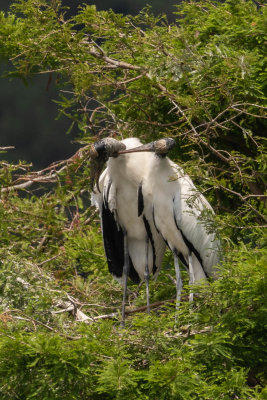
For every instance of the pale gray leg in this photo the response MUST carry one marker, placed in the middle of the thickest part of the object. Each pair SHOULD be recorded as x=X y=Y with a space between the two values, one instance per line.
x=191 y=276
x=179 y=283
x=126 y=268
x=146 y=277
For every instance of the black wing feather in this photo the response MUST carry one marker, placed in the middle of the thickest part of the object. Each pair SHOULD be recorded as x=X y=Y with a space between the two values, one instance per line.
x=140 y=200
x=114 y=245
x=150 y=237
x=188 y=244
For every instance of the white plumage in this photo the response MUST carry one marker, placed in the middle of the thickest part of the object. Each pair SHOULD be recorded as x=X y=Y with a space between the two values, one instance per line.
x=121 y=224
x=145 y=200
x=179 y=210
x=179 y=213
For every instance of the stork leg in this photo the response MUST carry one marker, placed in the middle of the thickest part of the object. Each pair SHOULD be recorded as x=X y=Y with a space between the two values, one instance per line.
x=126 y=268
x=146 y=278
x=191 y=276
x=179 y=283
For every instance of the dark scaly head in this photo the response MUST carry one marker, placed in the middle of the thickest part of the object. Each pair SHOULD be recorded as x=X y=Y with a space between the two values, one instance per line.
x=99 y=155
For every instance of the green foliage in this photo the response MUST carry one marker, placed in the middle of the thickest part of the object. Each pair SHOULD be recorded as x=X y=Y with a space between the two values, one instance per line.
x=213 y=351
x=202 y=81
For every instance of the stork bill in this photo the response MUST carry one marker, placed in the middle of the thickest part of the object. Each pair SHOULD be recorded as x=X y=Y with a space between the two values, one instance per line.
x=160 y=147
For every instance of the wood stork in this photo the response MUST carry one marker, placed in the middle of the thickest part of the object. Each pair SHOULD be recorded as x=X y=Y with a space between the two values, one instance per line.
x=171 y=202
x=132 y=244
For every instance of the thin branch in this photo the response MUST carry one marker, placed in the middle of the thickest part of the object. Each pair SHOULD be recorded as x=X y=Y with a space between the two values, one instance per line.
x=179 y=109
x=116 y=63
x=244 y=199
x=248 y=113
x=40 y=176
x=136 y=310
x=7 y=148
x=33 y=320
x=119 y=83
x=48 y=260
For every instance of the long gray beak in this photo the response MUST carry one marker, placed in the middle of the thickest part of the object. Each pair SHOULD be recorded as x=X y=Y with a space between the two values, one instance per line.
x=160 y=147
x=144 y=147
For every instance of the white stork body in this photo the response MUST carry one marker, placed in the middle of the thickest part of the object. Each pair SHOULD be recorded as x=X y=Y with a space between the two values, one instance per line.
x=177 y=208
x=171 y=201
x=125 y=232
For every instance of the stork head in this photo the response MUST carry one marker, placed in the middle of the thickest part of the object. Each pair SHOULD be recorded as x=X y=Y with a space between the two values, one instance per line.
x=160 y=147
x=99 y=154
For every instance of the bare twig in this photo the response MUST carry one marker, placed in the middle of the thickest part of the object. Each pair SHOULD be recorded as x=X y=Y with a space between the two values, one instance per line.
x=135 y=310
x=33 y=320
x=48 y=260
x=42 y=175
x=119 y=64
x=71 y=306
x=7 y=148
x=244 y=199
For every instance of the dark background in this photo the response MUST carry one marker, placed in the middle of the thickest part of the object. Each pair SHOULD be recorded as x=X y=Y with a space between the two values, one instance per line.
x=28 y=113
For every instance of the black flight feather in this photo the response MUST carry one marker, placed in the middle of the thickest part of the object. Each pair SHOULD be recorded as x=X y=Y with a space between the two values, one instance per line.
x=189 y=244
x=140 y=200
x=114 y=245
x=150 y=237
